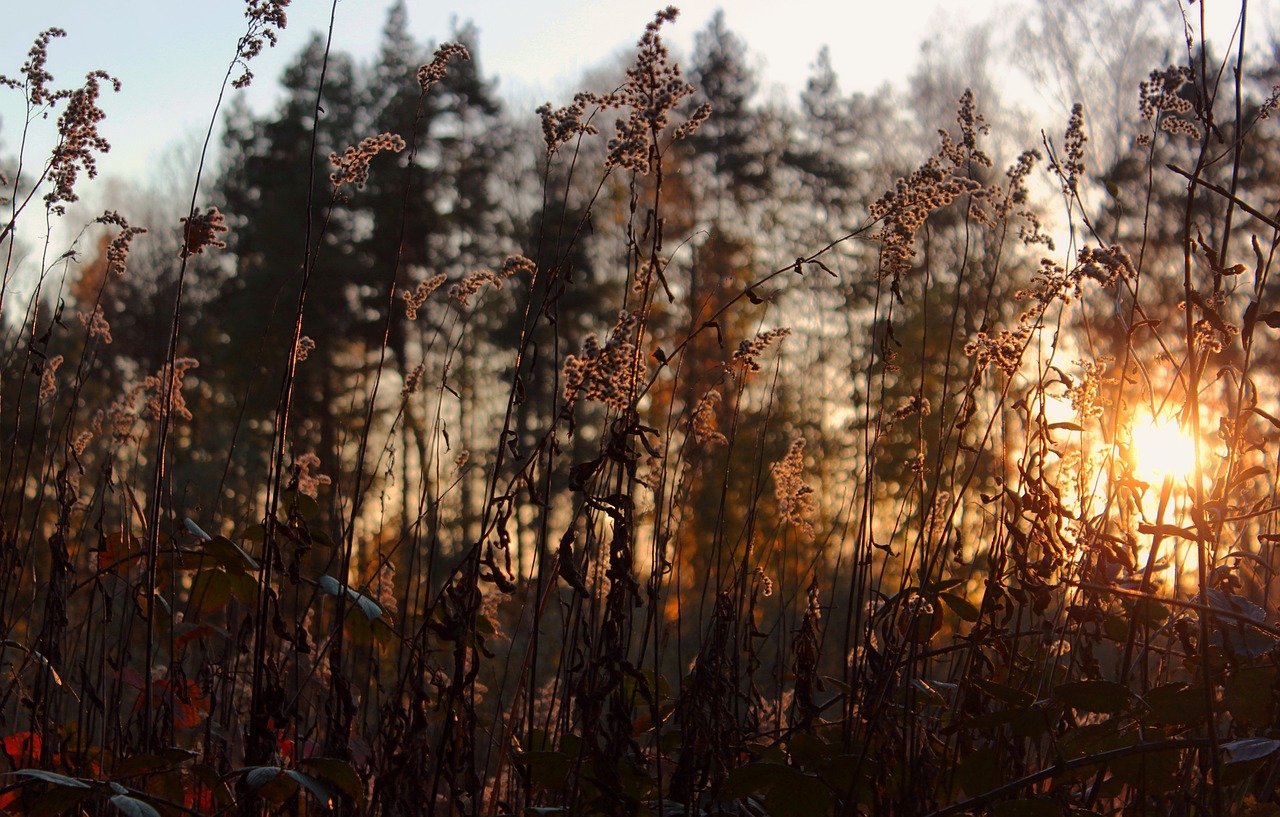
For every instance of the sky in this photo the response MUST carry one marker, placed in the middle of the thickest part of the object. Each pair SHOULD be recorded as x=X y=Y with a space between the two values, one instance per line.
x=172 y=55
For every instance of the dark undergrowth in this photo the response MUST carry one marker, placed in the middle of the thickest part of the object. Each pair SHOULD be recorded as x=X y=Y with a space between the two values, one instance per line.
x=665 y=489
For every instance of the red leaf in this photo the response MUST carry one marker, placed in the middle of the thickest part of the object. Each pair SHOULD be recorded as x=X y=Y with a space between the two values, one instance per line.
x=23 y=749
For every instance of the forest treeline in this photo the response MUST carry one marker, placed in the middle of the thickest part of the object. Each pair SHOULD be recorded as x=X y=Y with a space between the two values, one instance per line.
x=677 y=449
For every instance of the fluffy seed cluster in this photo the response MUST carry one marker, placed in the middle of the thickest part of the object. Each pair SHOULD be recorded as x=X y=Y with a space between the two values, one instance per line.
x=305 y=347
x=306 y=474
x=934 y=185
x=48 y=377
x=561 y=125
x=35 y=77
x=414 y=300
x=748 y=353
x=437 y=69
x=914 y=405
x=118 y=249
x=1073 y=163
x=608 y=373
x=653 y=89
x=266 y=18
x=703 y=424
x=514 y=264
x=1160 y=98
x=795 y=498
x=78 y=140
x=1088 y=396
x=1051 y=283
x=156 y=385
x=903 y=211
x=1211 y=333
x=96 y=323
x=466 y=289
x=202 y=230
x=1003 y=349
x=1106 y=265
x=352 y=167
x=412 y=380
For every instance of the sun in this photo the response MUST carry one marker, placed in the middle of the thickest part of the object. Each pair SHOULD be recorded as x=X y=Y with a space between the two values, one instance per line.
x=1161 y=448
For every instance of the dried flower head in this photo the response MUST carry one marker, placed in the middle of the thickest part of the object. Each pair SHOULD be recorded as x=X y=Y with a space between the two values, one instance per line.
x=306 y=474
x=608 y=373
x=903 y=211
x=81 y=442
x=414 y=300
x=437 y=69
x=78 y=140
x=35 y=77
x=513 y=264
x=96 y=323
x=353 y=165
x=1160 y=99
x=914 y=405
x=412 y=380
x=118 y=249
x=464 y=290
x=1087 y=397
x=766 y=583
x=653 y=89
x=1072 y=167
x=795 y=498
x=560 y=125
x=202 y=231
x=703 y=425
x=304 y=348
x=48 y=380
x=169 y=381
x=266 y=18
x=1004 y=349
x=749 y=351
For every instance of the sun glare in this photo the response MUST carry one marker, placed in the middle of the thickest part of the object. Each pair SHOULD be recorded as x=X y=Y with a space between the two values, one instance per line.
x=1162 y=449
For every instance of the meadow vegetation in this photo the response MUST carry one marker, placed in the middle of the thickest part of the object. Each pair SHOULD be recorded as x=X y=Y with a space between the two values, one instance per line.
x=669 y=453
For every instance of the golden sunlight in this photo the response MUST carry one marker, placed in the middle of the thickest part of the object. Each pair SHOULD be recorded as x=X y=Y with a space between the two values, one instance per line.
x=1161 y=448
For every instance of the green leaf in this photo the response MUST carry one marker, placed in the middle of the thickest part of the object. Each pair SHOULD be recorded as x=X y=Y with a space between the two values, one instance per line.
x=54 y=778
x=799 y=795
x=230 y=555
x=244 y=587
x=1033 y=807
x=139 y=764
x=133 y=807
x=755 y=778
x=960 y=606
x=210 y=592
x=547 y=770
x=979 y=771
x=1095 y=696
x=1240 y=751
x=1175 y=704
x=928 y=694
x=338 y=772
x=258 y=776
x=59 y=800
x=271 y=782
x=1236 y=605
x=1007 y=694
x=809 y=751
x=1247 y=694
x=318 y=790
x=296 y=503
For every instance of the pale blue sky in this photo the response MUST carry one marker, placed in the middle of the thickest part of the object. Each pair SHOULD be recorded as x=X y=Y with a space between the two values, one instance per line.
x=171 y=55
